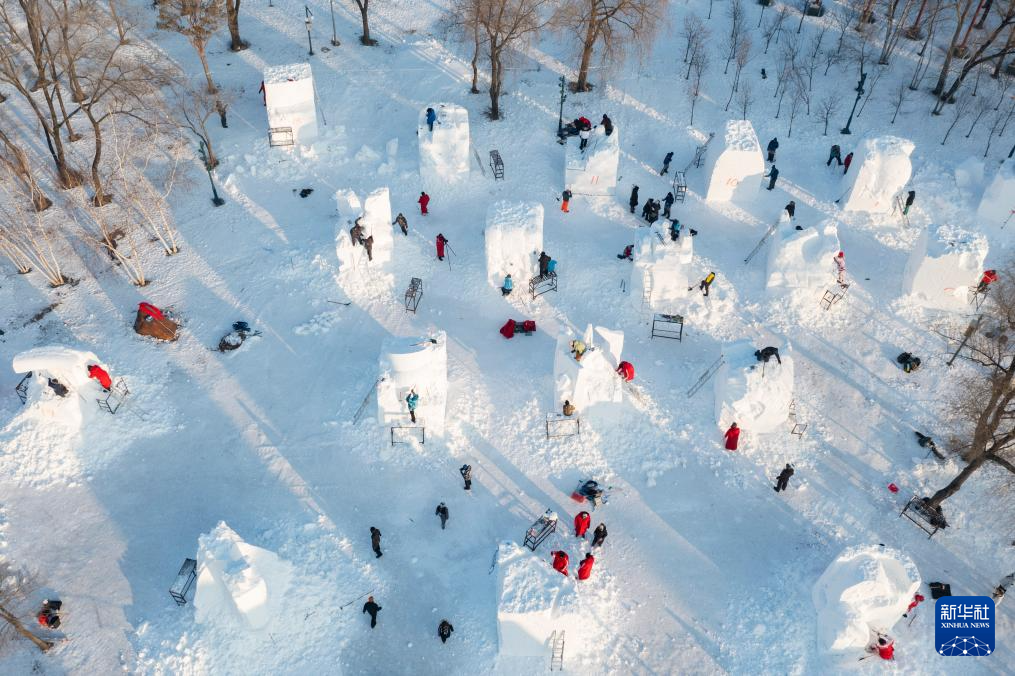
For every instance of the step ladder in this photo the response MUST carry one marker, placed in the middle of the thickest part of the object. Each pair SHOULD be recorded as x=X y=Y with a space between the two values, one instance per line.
x=679 y=186
x=557 y=655
x=831 y=297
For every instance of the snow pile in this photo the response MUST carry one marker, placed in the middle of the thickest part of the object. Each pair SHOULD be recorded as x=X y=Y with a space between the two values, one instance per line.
x=944 y=263
x=444 y=152
x=289 y=100
x=736 y=168
x=660 y=271
x=879 y=171
x=998 y=202
x=238 y=582
x=802 y=259
x=593 y=380
x=866 y=588
x=376 y=221
x=535 y=601
x=419 y=363
x=70 y=368
x=753 y=394
x=594 y=171
x=514 y=238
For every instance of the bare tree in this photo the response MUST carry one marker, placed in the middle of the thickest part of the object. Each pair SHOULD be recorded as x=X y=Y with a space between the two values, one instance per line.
x=694 y=33
x=871 y=84
x=980 y=108
x=787 y=70
x=14 y=160
x=896 y=12
x=111 y=231
x=26 y=238
x=196 y=20
x=961 y=9
x=16 y=590
x=613 y=26
x=921 y=67
x=961 y=108
x=744 y=99
x=236 y=43
x=506 y=24
x=985 y=50
x=699 y=66
x=696 y=46
x=796 y=98
x=365 y=39
x=810 y=66
x=743 y=55
x=842 y=19
x=1008 y=46
x=1000 y=121
x=774 y=26
x=191 y=106
x=463 y=25
x=733 y=40
x=831 y=58
x=826 y=108
x=899 y=97
x=984 y=404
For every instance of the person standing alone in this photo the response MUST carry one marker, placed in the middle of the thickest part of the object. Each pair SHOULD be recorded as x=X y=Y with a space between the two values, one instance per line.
x=371 y=608
x=782 y=481
x=375 y=542
x=442 y=512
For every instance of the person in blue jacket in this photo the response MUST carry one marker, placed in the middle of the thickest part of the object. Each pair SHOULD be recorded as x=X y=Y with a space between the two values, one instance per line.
x=412 y=400
x=508 y=285
x=551 y=267
x=431 y=117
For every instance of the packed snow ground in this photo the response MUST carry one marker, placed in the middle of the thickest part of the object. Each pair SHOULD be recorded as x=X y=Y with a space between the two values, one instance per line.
x=705 y=570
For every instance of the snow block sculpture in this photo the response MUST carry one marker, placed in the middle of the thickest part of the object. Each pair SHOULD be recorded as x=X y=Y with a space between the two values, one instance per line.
x=444 y=152
x=419 y=363
x=944 y=263
x=594 y=171
x=535 y=601
x=997 y=205
x=514 y=238
x=69 y=368
x=736 y=168
x=753 y=394
x=802 y=259
x=881 y=168
x=238 y=583
x=866 y=588
x=289 y=100
x=593 y=380
x=376 y=220
x=660 y=270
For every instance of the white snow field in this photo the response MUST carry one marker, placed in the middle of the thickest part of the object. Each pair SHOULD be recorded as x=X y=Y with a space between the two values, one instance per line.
x=513 y=239
x=803 y=259
x=880 y=169
x=444 y=152
x=734 y=164
x=865 y=589
x=945 y=262
x=998 y=202
x=593 y=171
x=290 y=101
x=288 y=440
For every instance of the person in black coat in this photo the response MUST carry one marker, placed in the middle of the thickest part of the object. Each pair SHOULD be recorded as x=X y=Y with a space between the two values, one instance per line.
x=783 y=479
x=772 y=174
x=607 y=124
x=634 y=198
x=372 y=608
x=599 y=535
x=791 y=208
x=466 y=472
x=375 y=541
x=667 y=204
x=544 y=264
x=773 y=145
x=442 y=512
x=666 y=163
x=444 y=630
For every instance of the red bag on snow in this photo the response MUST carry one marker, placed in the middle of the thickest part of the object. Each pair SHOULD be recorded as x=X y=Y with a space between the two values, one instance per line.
x=530 y=325
x=508 y=330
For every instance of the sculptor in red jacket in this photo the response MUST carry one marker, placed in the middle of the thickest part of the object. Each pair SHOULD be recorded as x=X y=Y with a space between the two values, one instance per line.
x=732 y=437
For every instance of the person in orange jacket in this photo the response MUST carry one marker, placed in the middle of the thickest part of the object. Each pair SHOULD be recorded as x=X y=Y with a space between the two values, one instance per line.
x=626 y=371
x=581 y=524
x=585 y=569
x=100 y=374
x=560 y=561
x=732 y=436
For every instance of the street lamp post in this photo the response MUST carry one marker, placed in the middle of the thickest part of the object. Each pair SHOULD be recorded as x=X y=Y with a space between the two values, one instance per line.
x=215 y=199
x=334 y=35
x=309 y=21
x=560 y=119
x=859 y=93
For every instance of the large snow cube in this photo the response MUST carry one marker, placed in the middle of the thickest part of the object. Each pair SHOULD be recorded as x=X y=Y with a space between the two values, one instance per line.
x=802 y=259
x=753 y=394
x=866 y=588
x=661 y=268
x=594 y=171
x=593 y=380
x=374 y=214
x=514 y=238
x=880 y=169
x=238 y=584
x=944 y=263
x=289 y=100
x=70 y=368
x=444 y=152
x=736 y=168
x=997 y=205
x=419 y=363
x=534 y=602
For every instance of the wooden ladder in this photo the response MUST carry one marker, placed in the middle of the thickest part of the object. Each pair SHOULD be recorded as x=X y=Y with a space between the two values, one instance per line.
x=557 y=656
